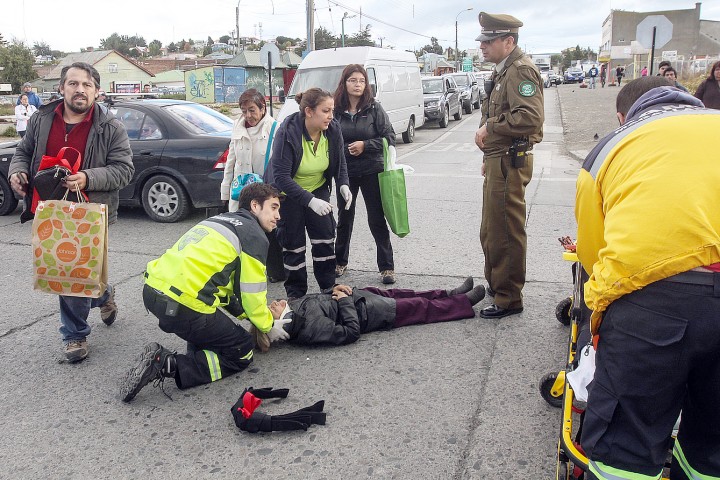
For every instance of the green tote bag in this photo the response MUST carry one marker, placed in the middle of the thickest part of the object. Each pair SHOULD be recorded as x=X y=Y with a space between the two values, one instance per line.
x=394 y=198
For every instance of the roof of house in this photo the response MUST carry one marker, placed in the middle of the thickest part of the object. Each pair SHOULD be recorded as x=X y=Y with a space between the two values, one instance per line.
x=88 y=57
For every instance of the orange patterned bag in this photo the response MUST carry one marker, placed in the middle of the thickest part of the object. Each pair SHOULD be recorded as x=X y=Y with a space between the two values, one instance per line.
x=70 y=245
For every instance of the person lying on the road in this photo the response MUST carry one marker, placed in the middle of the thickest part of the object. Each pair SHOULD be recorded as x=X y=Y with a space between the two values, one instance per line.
x=339 y=317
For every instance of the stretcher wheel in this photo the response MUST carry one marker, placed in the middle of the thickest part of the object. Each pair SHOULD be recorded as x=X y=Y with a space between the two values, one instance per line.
x=546 y=387
x=562 y=311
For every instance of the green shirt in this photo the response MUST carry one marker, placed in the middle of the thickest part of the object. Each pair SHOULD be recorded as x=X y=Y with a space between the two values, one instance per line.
x=311 y=173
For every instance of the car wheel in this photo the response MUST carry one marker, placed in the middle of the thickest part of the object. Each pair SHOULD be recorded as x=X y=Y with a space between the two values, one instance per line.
x=458 y=115
x=468 y=107
x=409 y=135
x=8 y=202
x=477 y=103
x=445 y=120
x=165 y=200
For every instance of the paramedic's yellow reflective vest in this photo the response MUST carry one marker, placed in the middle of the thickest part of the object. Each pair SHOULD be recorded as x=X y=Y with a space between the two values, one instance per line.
x=219 y=257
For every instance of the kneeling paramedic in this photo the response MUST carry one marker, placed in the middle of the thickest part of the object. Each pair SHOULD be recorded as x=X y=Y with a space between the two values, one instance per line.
x=219 y=262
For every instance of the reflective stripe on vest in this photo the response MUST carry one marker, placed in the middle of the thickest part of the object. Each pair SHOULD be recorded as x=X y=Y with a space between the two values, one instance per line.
x=213 y=365
x=691 y=473
x=229 y=235
x=606 y=472
x=253 y=287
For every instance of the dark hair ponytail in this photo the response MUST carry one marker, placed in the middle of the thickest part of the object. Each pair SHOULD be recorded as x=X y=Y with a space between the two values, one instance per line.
x=311 y=98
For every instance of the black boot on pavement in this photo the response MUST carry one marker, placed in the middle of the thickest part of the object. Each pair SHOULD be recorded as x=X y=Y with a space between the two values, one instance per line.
x=464 y=287
x=476 y=294
x=154 y=364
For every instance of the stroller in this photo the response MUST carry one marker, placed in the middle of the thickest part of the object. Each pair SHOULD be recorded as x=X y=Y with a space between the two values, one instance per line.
x=572 y=463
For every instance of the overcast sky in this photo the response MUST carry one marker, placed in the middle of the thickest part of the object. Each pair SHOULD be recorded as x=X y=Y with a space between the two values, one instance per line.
x=550 y=26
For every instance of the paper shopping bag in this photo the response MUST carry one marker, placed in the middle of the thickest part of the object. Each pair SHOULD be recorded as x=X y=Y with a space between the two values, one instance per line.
x=393 y=196
x=70 y=245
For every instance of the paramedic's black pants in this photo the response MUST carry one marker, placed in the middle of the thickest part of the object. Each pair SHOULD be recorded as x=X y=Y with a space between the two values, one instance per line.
x=216 y=346
x=294 y=220
x=659 y=351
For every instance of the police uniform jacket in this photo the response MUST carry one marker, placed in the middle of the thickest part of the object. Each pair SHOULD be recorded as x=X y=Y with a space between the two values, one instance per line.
x=318 y=319
x=287 y=153
x=221 y=257
x=641 y=216
x=514 y=108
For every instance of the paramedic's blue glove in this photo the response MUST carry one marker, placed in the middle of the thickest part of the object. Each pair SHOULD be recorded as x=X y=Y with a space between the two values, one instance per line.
x=347 y=196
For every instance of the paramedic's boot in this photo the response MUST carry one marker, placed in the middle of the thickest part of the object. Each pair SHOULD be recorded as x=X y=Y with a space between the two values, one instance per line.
x=476 y=294
x=464 y=287
x=154 y=364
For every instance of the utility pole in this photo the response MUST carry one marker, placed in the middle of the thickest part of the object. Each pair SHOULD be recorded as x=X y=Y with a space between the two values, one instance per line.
x=342 y=21
x=457 y=64
x=237 y=28
x=310 y=25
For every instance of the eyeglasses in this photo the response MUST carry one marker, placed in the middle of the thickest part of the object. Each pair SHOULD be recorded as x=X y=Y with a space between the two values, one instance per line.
x=354 y=81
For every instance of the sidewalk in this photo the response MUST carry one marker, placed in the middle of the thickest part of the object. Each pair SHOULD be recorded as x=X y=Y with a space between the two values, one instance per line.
x=586 y=113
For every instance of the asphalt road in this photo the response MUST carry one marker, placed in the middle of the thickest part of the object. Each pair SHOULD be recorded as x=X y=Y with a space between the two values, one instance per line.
x=456 y=400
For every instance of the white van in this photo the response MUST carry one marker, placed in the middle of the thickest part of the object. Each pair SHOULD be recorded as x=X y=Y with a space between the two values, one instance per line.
x=394 y=77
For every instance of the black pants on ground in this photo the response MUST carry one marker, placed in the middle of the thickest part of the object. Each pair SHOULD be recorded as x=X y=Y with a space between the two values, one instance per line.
x=217 y=347
x=295 y=219
x=274 y=265
x=658 y=352
x=370 y=187
x=429 y=306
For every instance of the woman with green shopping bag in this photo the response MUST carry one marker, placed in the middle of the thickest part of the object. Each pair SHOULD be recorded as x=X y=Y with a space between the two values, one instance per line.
x=365 y=125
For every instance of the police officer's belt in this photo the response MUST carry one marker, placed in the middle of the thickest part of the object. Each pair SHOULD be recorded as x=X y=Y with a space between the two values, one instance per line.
x=248 y=420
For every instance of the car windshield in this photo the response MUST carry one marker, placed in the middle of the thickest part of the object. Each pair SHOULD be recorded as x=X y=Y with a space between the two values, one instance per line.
x=200 y=119
x=461 y=80
x=432 y=86
x=575 y=70
x=325 y=78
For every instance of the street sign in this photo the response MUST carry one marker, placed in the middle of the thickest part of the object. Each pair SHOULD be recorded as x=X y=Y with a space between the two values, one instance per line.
x=5 y=87
x=274 y=55
x=669 y=55
x=467 y=65
x=663 y=31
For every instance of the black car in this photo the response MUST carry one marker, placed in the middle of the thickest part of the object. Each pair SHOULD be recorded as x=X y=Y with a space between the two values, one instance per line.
x=179 y=151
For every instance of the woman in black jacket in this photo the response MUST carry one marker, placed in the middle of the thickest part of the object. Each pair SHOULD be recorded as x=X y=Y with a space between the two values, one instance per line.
x=364 y=124
x=307 y=154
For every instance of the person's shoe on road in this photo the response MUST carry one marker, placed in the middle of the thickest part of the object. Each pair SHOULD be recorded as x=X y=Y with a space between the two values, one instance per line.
x=464 y=287
x=493 y=311
x=490 y=291
x=388 y=276
x=476 y=294
x=340 y=270
x=76 y=350
x=108 y=310
x=154 y=364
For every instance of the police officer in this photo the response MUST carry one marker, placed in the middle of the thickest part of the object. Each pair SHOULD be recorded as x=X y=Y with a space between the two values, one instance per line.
x=512 y=118
x=220 y=262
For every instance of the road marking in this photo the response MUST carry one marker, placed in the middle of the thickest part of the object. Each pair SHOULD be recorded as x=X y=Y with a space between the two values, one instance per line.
x=437 y=140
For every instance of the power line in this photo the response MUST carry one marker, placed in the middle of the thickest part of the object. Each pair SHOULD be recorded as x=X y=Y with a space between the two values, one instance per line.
x=384 y=23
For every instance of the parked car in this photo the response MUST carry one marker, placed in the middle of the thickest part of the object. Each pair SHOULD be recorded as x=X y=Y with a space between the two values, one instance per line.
x=471 y=94
x=179 y=151
x=553 y=79
x=574 y=75
x=442 y=99
x=8 y=202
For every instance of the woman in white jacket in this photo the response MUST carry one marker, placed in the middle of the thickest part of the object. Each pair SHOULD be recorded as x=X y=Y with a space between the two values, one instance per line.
x=249 y=143
x=249 y=152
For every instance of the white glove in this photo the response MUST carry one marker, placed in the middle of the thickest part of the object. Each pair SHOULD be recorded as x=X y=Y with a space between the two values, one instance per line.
x=277 y=332
x=347 y=195
x=319 y=206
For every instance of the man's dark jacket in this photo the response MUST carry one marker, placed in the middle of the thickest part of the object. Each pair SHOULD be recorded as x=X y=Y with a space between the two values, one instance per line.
x=318 y=319
x=107 y=160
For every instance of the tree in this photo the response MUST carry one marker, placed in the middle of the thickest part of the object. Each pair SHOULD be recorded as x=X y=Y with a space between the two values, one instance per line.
x=154 y=48
x=324 y=39
x=172 y=48
x=18 y=60
x=434 y=47
x=360 y=39
x=3 y=42
x=224 y=39
x=41 y=48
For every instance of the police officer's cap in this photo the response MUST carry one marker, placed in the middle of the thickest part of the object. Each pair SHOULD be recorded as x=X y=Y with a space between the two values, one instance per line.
x=497 y=25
